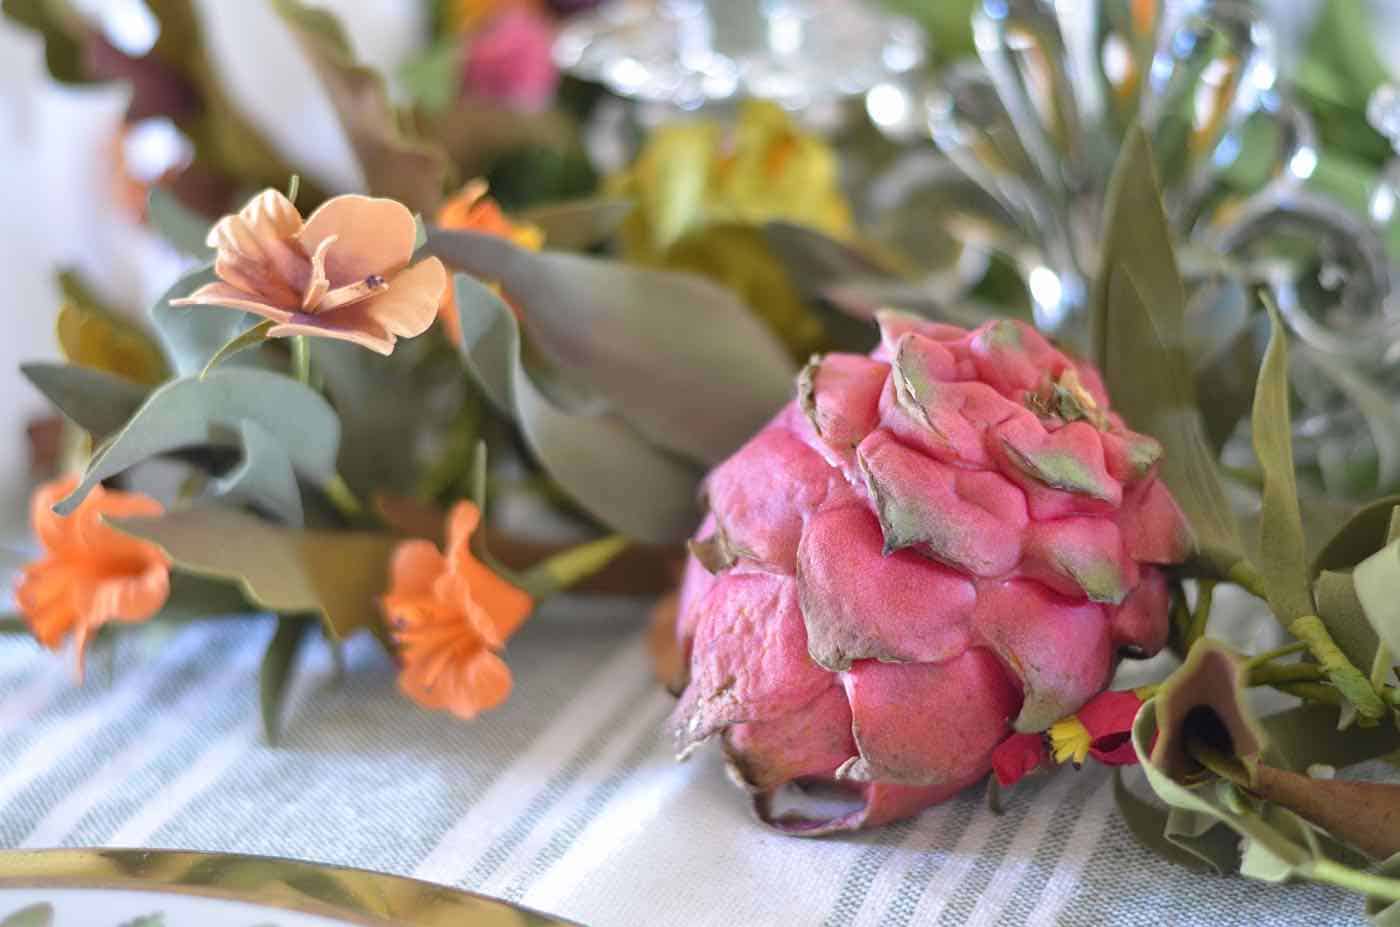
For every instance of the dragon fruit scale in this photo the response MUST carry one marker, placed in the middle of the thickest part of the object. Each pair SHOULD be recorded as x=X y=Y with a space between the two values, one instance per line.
x=930 y=548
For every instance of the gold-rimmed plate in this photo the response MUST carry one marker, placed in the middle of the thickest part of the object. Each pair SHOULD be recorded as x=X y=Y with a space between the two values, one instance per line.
x=171 y=888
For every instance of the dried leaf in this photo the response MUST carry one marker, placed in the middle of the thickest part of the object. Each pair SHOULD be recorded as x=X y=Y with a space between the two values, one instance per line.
x=1340 y=610
x=279 y=659
x=192 y=412
x=1366 y=532
x=1308 y=734
x=197 y=598
x=91 y=335
x=1148 y=823
x=677 y=357
x=613 y=472
x=338 y=575
x=100 y=403
x=412 y=171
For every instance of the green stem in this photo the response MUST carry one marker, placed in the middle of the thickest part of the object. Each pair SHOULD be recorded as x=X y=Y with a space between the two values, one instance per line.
x=1365 y=883
x=1355 y=687
x=562 y=570
x=1244 y=575
x=1269 y=656
x=1270 y=674
x=1312 y=692
x=343 y=498
x=1380 y=666
x=1200 y=616
x=301 y=359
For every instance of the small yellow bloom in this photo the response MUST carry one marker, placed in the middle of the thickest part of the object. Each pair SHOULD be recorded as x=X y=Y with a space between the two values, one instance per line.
x=1070 y=740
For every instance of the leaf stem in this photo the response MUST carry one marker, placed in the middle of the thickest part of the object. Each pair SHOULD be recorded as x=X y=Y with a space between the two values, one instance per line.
x=1270 y=673
x=562 y=570
x=1380 y=666
x=1269 y=656
x=1355 y=687
x=1200 y=616
x=343 y=497
x=1366 y=883
x=1311 y=691
x=301 y=359
x=1244 y=575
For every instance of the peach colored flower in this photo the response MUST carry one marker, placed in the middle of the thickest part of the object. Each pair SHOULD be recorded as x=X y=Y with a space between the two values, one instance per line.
x=90 y=573
x=451 y=615
x=472 y=210
x=343 y=273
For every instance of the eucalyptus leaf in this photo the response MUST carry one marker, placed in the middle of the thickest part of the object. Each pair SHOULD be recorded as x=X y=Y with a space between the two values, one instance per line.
x=679 y=358
x=410 y=170
x=181 y=227
x=279 y=659
x=189 y=412
x=1140 y=347
x=578 y=225
x=264 y=478
x=99 y=403
x=609 y=469
x=1282 y=548
x=245 y=341
x=338 y=575
x=192 y=334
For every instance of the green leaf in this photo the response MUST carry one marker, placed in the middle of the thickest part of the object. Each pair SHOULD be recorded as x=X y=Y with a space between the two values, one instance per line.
x=1377 y=580
x=195 y=598
x=338 y=575
x=433 y=78
x=1148 y=823
x=678 y=358
x=243 y=342
x=1308 y=734
x=34 y=915
x=1213 y=799
x=277 y=664
x=1139 y=345
x=99 y=403
x=192 y=334
x=1340 y=610
x=193 y=412
x=410 y=170
x=606 y=466
x=1364 y=533
x=264 y=479
x=181 y=227
x=373 y=396
x=577 y=225
x=1282 y=549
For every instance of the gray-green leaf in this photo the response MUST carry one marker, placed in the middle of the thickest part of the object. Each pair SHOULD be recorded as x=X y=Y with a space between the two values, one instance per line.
x=264 y=479
x=277 y=664
x=98 y=402
x=613 y=472
x=181 y=227
x=192 y=334
x=679 y=358
x=192 y=411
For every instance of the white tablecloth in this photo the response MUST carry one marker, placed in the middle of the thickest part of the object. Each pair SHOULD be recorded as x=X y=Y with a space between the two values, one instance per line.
x=566 y=799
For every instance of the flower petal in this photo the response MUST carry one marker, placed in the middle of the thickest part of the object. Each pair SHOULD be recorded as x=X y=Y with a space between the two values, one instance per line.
x=376 y=236
x=231 y=297
x=405 y=309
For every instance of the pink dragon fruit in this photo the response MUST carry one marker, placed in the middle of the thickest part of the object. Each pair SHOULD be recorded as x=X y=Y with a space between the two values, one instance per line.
x=930 y=549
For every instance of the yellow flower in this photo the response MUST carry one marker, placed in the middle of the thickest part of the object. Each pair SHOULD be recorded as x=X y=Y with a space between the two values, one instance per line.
x=1070 y=740
x=702 y=194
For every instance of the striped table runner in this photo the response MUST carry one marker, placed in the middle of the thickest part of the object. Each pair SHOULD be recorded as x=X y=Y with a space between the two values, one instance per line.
x=566 y=799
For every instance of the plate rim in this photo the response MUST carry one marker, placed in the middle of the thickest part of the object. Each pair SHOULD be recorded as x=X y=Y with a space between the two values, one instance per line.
x=365 y=897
